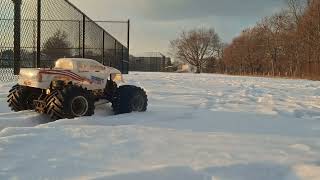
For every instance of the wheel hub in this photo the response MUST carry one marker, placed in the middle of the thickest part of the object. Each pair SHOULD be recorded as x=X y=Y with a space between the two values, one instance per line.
x=79 y=106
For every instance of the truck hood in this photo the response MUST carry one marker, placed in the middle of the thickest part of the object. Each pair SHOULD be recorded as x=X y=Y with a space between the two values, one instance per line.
x=29 y=74
x=33 y=78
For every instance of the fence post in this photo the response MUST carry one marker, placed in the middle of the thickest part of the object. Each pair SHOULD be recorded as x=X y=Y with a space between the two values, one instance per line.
x=83 y=36
x=34 y=43
x=17 y=37
x=79 y=39
x=38 y=34
x=122 y=59
x=103 y=46
x=128 y=46
x=115 y=53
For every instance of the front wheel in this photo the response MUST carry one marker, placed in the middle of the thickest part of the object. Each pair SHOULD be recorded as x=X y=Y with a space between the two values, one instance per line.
x=71 y=102
x=129 y=99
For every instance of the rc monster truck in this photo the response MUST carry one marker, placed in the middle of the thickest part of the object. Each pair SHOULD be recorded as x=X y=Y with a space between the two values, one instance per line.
x=72 y=87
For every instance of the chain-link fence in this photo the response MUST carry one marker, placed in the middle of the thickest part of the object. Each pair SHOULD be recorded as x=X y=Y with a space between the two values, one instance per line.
x=35 y=33
x=150 y=62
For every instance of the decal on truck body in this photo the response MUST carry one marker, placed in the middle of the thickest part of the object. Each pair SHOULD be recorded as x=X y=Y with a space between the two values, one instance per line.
x=61 y=74
x=97 y=80
x=70 y=74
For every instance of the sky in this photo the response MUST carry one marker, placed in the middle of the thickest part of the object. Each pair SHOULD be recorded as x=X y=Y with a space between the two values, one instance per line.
x=154 y=23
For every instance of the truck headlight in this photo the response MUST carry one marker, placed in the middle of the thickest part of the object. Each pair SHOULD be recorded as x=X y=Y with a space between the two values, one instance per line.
x=117 y=77
x=48 y=91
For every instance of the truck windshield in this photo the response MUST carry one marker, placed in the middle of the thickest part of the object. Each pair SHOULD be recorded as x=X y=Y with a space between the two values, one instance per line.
x=64 y=64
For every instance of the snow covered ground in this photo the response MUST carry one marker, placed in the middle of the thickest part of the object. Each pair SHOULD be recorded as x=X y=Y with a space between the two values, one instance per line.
x=198 y=127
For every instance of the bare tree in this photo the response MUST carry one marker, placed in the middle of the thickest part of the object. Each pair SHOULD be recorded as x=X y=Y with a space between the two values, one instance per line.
x=296 y=8
x=196 y=47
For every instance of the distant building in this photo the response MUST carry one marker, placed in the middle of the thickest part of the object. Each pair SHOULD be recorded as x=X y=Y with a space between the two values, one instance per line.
x=150 y=62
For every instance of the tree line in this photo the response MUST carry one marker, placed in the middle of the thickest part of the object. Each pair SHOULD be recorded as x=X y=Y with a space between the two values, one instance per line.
x=286 y=44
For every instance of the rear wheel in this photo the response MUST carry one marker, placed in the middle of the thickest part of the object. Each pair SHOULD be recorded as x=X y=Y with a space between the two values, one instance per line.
x=71 y=102
x=21 y=98
x=129 y=99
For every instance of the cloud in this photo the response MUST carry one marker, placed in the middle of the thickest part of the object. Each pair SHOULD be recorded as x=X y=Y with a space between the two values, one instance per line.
x=171 y=10
x=156 y=22
x=185 y=9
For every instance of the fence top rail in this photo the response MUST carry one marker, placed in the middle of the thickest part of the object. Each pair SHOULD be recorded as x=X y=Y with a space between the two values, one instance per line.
x=92 y=21
x=58 y=20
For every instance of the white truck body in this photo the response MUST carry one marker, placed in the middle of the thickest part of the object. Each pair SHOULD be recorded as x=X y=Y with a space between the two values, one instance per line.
x=87 y=73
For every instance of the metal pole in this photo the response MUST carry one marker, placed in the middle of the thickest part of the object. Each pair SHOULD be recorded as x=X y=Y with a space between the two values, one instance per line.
x=128 y=46
x=83 y=36
x=122 y=59
x=17 y=37
x=79 y=39
x=34 y=43
x=115 y=53
x=103 y=46
x=38 y=34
